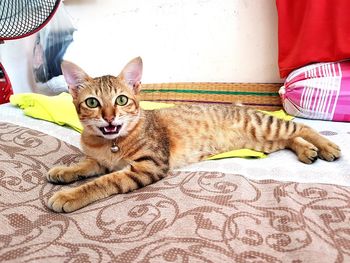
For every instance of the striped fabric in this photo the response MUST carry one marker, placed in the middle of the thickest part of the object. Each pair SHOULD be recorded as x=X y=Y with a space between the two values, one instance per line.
x=319 y=91
x=260 y=96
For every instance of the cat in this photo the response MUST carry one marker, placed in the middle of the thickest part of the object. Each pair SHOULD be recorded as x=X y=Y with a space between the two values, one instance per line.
x=132 y=148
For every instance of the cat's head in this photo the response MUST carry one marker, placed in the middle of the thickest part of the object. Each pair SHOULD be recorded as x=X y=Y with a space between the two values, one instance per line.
x=107 y=106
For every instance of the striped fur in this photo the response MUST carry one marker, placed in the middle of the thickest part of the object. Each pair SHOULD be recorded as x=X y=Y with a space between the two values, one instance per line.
x=153 y=142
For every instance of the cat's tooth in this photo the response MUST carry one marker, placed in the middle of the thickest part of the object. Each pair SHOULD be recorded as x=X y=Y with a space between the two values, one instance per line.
x=109 y=130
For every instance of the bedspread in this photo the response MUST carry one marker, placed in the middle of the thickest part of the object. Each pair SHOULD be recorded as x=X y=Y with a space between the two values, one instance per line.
x=190 y=216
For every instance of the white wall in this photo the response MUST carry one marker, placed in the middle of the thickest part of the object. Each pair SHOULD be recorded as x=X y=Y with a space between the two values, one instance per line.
x=179 y=40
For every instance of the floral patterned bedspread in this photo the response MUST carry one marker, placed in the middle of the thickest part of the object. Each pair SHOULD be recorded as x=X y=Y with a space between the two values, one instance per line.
x=187 y=217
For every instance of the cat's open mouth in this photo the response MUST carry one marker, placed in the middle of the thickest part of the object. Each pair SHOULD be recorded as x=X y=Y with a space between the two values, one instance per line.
x=110 y=129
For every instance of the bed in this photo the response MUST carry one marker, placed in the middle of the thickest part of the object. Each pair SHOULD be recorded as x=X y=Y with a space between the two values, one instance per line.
x=275 y=209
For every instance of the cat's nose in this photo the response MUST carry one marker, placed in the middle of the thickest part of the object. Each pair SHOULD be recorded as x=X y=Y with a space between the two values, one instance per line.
x=108 y=119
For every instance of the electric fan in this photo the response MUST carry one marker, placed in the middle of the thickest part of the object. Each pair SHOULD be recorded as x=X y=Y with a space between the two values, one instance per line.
x=18 y=19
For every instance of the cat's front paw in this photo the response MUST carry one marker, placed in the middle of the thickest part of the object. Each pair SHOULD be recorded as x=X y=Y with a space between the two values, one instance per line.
x=65 y=201
x=61 y=174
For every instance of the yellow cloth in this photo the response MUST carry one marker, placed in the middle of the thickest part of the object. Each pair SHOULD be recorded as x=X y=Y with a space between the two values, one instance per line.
x=281 y=114
x=149 y=105
x=60 y=109
x=243 y=153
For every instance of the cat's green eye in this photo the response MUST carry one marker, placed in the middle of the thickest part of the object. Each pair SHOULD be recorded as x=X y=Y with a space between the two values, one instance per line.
x=121 y=100
x=92 y=102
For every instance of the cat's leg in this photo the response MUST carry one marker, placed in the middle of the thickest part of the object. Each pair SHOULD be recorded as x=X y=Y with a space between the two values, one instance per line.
x=269 y=134
x=327 y=150
x=306 y=151
x=86 y=168
x=307 y=143
x=123 y=181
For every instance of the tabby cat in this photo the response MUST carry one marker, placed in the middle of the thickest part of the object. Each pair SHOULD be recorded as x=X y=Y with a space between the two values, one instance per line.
x=132 y=148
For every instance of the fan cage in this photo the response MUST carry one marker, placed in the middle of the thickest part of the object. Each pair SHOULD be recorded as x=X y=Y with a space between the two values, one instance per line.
x=21 y=18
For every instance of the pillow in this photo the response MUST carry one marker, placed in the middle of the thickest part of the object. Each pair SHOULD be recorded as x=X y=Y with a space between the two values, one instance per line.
x=318 y=91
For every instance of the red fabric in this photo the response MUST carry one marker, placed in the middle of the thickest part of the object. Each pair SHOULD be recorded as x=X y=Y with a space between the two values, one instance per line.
x=5 y=86
x=312 y=31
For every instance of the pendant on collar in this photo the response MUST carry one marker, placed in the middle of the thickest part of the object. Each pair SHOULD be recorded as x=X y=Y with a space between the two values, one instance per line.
x=114 y=147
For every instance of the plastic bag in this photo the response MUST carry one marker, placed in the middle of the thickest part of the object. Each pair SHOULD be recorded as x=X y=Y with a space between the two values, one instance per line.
x=318 y=91
x=50 y=46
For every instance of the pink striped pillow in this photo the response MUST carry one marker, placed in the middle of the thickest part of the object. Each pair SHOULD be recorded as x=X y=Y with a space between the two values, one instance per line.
x=318 y=91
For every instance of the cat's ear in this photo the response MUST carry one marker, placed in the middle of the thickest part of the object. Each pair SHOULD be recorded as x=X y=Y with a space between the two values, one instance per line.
x=74 y=77
x=132 y=74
